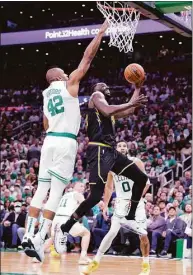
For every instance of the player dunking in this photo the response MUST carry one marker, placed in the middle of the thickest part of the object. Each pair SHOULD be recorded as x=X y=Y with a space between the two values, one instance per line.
x=123 y=189
x=61 y=122
x=102 y=156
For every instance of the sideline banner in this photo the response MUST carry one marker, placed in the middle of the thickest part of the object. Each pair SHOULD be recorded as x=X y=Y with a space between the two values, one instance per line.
x=71 y=33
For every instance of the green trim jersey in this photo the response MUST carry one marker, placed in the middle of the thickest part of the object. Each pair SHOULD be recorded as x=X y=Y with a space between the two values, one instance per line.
x=61 y=109
x=68 y=204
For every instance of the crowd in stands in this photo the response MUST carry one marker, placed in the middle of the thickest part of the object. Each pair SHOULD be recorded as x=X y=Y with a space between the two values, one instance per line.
x=160 y=135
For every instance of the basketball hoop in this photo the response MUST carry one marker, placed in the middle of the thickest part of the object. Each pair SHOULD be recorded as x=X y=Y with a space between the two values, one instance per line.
x=123 y=21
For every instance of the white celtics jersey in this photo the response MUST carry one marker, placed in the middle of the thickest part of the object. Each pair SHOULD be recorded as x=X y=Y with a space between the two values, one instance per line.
x=68 y=204
x=61 y=109
x=123 y=187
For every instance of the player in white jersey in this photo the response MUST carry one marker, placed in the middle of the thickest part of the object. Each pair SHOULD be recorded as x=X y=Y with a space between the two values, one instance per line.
x=69 y=203
x=123 y=189
x=61 y=122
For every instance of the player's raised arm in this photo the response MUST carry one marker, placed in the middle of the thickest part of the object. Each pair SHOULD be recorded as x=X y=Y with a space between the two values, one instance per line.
x=136 y=93
x=99 y=101
x=88 y=56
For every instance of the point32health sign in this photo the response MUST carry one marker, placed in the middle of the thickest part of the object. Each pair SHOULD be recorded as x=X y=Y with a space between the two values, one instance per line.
x=71 y=33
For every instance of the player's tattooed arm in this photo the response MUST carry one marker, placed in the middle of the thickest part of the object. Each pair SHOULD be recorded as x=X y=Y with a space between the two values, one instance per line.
x=99 y=102
x=45 y=123
x=88 y=56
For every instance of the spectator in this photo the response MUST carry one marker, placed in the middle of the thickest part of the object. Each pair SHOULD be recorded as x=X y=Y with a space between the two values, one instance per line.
x=172 y=194
x=148 y=209
x=155 y=228
x=149 y=197
x=176 y=204
x=7 y=204
x=33 y=154
x=179 y=198
x=162 y=207
x=186 y=151
x=27 y=192
x=159 y=170
x=3 y=211
x=181 y=190
x=36 y=167
x=170 y=161
x=7 y=196
x=148 y=168
x=188 y=198
x=163 y=197
x=187 y=216
x=174 y=229
x=187 y=181
x=149 y=139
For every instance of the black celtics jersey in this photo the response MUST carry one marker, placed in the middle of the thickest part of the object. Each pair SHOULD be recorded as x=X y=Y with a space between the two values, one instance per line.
x=100 y=128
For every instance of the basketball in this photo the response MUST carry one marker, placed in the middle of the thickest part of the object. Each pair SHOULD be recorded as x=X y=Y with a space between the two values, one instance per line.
x=134 y=73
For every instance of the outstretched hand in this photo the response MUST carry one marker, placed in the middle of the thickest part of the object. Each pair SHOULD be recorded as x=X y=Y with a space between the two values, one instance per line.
x=141 y=100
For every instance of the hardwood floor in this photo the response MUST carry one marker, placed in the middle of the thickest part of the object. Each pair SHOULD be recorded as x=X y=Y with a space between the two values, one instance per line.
x=16 y=263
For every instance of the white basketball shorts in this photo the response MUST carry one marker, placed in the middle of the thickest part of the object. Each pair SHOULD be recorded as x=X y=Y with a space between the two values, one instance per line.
x=58 y=156
x=122 y=208
x=140 y=215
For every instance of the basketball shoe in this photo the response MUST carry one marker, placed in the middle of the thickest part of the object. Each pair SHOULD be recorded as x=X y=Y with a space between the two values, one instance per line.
x=60 y=240
x=145 y=269
x=93 y=266
x=25 y=243
x=36 y=249
x=53 y=252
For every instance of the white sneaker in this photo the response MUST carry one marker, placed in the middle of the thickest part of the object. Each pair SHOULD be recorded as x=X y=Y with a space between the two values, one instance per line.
x=36 y=249
x=134 y=226
x=60 y=240
x=24 y=242
x=84 y=261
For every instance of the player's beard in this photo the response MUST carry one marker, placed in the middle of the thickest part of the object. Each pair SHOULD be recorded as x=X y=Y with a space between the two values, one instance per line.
x=107 y=97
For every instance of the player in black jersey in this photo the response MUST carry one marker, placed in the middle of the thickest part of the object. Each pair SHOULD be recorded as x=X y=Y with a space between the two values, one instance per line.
x=101 y=153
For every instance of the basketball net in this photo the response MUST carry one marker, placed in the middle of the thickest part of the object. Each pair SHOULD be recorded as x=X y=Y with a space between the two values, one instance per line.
x=123 y=21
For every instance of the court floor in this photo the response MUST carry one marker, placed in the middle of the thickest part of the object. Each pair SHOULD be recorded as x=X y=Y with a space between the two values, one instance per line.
x=17 y=263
